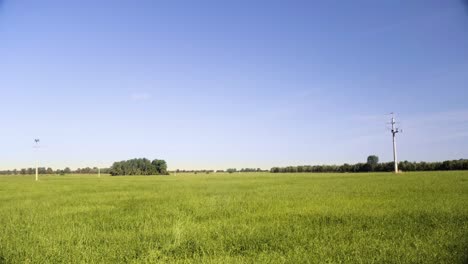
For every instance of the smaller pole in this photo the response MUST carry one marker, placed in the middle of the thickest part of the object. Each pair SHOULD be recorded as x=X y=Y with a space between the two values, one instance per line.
x=394 y=131
x=37 y=170
x=37 y=158
x=99 y=172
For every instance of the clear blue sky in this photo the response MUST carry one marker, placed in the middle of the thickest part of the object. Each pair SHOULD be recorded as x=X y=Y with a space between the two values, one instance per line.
x=218 y=84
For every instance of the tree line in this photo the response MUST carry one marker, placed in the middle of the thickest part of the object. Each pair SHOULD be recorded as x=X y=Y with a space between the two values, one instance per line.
x=128 y=167
x=139 y=167
x=195 y=171
x=44 y=170
x=230 y=170
x=159 y=167
x=372 y=165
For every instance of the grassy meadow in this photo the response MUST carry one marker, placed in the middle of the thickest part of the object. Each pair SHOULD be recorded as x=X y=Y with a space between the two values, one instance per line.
x=419 y=217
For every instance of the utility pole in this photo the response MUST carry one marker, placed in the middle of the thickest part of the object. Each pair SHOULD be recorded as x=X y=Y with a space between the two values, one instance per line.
x=37 y=158
x=99 y=172
x=394 y=130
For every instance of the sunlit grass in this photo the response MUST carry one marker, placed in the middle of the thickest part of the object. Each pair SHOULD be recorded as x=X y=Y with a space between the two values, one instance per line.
x=230 y=218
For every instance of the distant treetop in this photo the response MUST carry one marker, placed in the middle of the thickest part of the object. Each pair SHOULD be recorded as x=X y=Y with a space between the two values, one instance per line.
x=139 y=167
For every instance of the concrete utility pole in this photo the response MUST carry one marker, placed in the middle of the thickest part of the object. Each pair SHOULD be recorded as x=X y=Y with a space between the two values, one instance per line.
x=395 y=130
x=99 y=172
x=37 y=158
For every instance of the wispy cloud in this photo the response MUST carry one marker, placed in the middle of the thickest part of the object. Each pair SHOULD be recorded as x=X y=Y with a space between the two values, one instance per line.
x=431 y=18
x=140 y=97
x=370 y=117
x=437 y=126
x=420 y=127
x=453 y=135
x=457 y=116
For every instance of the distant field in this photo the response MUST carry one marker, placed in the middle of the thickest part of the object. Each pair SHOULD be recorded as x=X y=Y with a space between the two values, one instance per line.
x=419 y=217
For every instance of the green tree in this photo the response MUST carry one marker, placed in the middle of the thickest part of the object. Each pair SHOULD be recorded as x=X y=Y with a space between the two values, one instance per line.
x=139 y=167
x=372 y=162
x=161 y=166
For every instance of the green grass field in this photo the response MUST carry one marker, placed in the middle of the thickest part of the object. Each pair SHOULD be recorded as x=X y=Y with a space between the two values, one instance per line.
x=236 y=218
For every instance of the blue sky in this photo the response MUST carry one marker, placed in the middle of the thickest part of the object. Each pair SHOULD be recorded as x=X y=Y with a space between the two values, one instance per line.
x=219 y=84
